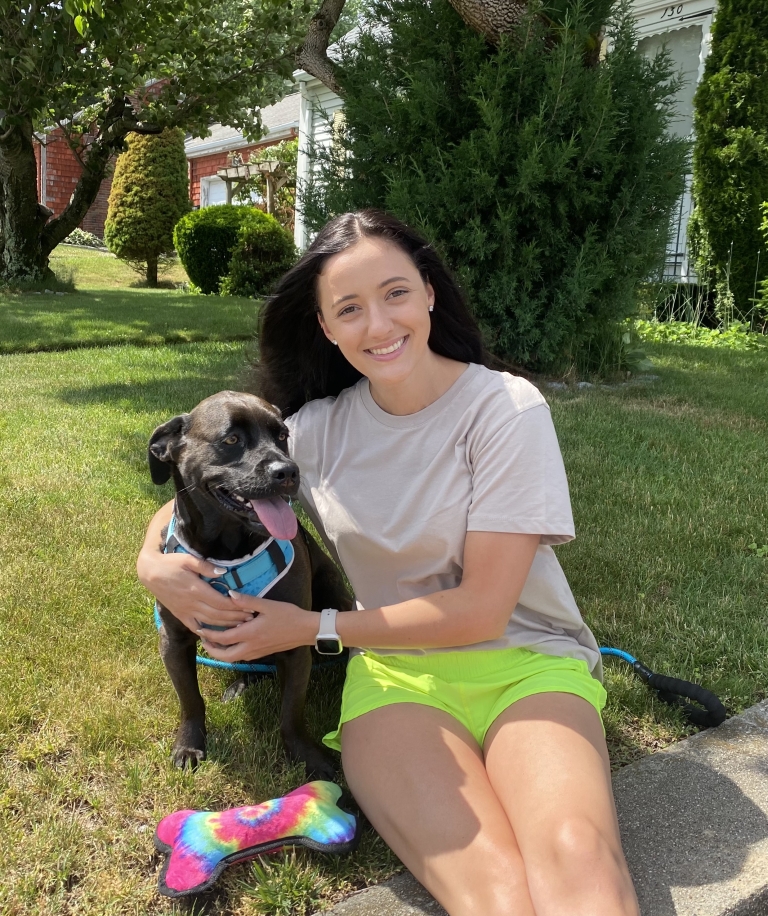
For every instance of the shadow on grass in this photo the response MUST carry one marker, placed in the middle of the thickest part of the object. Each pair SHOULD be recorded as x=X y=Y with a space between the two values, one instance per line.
x=31 y=323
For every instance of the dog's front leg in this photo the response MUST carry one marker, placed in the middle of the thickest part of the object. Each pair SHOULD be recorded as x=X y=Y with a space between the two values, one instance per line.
x=178 y=650
x=293 y=670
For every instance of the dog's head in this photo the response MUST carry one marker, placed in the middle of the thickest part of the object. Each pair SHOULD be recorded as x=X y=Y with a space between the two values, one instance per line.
x=230 y=455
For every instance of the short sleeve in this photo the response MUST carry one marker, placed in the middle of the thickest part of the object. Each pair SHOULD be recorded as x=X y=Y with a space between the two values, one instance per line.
x=518 y=479
x=305 y=446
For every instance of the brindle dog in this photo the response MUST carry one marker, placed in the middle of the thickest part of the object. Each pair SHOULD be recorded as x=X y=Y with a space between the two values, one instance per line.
x=229 y=462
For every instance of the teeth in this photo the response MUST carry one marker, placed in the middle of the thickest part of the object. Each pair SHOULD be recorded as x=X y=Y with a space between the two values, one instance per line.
x=384 y=350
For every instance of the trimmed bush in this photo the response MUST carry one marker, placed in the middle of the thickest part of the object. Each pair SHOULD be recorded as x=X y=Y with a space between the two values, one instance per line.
x=263 y=253
x=546 y=181
x=150 y=191
x=206 y=239
x=730 y=158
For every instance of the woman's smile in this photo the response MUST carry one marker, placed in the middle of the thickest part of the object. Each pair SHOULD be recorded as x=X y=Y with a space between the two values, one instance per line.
x=389 y=351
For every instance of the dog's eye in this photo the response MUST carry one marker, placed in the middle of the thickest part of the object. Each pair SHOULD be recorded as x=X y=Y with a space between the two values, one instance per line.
x=282 y=437
x=231 y=440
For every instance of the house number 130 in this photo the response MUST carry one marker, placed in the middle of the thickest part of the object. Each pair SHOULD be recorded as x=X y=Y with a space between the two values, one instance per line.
x=670 y=11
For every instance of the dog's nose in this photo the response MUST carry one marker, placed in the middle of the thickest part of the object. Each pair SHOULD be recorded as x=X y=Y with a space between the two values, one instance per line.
x=283 y=473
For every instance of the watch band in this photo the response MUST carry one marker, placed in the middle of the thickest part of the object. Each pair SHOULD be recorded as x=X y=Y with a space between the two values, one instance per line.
x=327 y=641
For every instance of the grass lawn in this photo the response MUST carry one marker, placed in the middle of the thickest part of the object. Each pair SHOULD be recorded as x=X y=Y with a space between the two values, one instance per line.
x=668 y=480
x=105 y=310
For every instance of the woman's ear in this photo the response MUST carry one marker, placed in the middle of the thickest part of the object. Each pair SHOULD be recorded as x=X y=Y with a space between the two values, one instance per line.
x=430 y=294
x=325 y=329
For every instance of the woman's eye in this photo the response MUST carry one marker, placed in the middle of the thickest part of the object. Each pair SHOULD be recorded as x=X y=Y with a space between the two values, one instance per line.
x=231 y=440
x=347 y=311
x=396 y=292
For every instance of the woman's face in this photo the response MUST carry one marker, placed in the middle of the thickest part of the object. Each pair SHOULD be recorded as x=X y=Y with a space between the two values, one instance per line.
x=375 y=305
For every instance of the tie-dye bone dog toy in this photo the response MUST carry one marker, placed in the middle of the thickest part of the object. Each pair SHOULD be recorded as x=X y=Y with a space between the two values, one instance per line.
x=201 y=844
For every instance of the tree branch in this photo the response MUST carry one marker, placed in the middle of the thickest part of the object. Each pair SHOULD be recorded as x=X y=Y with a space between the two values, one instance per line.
x=491 y=18
x=312 y=55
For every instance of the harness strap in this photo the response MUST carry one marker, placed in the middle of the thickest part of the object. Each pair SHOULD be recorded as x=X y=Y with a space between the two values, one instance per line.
x=276 y=555
x=260 y=571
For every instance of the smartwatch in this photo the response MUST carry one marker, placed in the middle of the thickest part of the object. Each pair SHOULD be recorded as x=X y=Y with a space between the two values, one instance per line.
x=327 y=641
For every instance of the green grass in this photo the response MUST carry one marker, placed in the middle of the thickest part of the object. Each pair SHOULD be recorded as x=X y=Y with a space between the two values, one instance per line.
x=88 y=714
x=106 y=310
x=668 y=481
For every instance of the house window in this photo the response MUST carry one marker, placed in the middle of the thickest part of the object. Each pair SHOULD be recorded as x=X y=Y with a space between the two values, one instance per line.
x=684 y=45
x=213 y=191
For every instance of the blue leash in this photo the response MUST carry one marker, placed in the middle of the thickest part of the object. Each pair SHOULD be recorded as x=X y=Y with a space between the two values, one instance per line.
x=676 y=692
x=246 y=667
x=671 y=690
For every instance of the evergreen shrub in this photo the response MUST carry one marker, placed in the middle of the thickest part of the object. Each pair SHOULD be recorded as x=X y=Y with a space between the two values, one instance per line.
x=545 y=179
x=263 y=253
x=730 y=158
x=150 y=192
x=205 y=240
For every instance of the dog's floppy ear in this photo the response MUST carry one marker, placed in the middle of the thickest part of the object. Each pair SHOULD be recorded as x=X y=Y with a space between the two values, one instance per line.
x=163 y=444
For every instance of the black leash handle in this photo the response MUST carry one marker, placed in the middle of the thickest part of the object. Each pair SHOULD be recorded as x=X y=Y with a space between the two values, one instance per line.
x=675 y=691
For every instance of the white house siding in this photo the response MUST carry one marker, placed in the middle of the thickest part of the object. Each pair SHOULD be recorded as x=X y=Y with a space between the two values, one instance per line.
x=685 y=29
x=317 y=108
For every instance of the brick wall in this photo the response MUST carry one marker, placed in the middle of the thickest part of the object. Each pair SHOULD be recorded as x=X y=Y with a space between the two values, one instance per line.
x=62 y=173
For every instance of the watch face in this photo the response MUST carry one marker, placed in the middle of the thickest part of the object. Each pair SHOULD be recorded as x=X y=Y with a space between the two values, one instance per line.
x=327 y=645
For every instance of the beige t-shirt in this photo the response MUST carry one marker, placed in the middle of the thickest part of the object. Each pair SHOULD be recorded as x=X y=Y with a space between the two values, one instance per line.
x=394 y=496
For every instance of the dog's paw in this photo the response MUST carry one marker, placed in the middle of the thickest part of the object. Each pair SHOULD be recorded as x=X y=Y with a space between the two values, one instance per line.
x=187 y=758
x=323 y=768
x=189 y=746
x=236 y=689
x=317 y=762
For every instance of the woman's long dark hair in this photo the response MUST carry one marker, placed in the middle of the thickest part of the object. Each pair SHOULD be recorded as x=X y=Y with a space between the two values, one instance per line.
x=298 y=362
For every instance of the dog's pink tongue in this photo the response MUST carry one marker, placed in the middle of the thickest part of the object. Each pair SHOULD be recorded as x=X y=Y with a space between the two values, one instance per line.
x=277 y=517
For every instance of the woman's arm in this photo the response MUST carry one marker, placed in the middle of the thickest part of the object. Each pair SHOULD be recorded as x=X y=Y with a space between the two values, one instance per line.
x=174 y=579
x=496 y=566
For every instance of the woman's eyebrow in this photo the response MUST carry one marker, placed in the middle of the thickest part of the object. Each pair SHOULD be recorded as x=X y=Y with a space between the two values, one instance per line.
x=354 y=295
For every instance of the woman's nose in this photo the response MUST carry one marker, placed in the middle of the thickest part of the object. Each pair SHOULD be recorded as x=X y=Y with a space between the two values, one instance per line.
x=379 y=321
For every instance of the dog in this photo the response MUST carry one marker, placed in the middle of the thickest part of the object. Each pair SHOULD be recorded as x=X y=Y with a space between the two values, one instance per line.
x=229 y=462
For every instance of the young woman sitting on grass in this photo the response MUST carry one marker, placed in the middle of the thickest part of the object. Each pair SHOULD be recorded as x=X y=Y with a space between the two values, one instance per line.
x=470 y=730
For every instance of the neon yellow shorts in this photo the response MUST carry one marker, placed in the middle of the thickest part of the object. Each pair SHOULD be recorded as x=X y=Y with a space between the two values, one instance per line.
x=473 y=686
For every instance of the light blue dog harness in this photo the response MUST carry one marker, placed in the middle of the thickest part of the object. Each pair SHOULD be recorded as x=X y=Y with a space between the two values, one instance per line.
x=253 y=575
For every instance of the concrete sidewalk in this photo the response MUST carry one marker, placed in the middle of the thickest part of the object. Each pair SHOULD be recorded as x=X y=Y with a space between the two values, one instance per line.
x=694 y=823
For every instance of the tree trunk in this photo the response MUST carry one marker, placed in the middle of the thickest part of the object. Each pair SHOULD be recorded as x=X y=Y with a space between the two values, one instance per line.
x=491 y=18
x=312 y=54
x=22 y=218
x=26 y=236
x=152 y=271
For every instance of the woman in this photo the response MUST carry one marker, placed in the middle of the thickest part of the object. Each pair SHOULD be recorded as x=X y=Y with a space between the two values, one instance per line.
x=470 y=730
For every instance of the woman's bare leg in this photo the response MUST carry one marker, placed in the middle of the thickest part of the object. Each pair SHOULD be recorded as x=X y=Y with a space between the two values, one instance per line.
x=547 y=761
x=419 y=777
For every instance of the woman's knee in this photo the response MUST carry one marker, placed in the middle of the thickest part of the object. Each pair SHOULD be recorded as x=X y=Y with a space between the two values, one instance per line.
x=582 y=859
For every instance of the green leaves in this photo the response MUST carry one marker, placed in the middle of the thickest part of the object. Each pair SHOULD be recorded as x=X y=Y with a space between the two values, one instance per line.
x=224 y=58
x=546 y=184
x=731 y=159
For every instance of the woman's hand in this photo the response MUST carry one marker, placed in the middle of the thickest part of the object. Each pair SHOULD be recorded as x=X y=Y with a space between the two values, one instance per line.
x=276 y=627
x=174 y=579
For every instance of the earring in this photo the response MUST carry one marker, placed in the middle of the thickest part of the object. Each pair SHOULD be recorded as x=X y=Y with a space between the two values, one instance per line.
x=335 y=343
x=431 y=308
